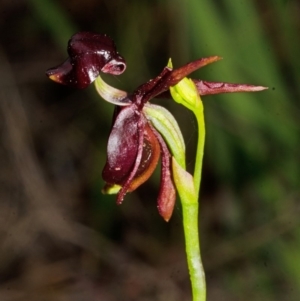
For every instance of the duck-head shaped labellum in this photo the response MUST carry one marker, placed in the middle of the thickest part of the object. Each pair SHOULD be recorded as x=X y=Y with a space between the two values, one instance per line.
x=89 y=54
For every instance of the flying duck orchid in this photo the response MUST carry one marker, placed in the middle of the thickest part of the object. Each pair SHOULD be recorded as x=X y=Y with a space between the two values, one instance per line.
x=141 y=133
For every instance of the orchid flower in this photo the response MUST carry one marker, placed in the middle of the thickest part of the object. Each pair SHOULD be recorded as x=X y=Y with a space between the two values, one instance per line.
x=141 y=132
x=139 y=135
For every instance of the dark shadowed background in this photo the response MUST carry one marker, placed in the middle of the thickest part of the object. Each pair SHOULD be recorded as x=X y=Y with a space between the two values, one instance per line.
x=61 y=239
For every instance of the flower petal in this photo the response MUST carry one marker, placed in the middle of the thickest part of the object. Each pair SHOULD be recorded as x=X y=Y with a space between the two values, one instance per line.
x=168 y=78
x=206 y=88
x=167 y=193
x=153 y=87
x=89 y=53
x=111 y=94
x=178 y=74
x=165 y=123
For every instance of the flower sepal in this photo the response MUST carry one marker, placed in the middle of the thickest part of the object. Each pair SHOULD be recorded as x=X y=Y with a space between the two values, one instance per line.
x=165 y=123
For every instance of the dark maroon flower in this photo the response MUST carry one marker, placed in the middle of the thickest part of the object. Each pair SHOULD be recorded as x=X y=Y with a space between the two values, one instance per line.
x=134 y=145
x=89 y=54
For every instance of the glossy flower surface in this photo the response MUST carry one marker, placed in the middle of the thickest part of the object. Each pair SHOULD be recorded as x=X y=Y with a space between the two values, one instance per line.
x=89 y=54
x=134 y=145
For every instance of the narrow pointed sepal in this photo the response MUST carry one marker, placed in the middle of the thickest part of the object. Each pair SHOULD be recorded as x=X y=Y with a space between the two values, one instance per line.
x=167 y=192
x=165 y=123
x=208 y=88
x=178 y=74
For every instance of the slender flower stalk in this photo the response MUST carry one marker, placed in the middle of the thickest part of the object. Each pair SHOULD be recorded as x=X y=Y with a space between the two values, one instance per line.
x=200 y=148
x=190 y=206
x=191 y=217
x=186 y=93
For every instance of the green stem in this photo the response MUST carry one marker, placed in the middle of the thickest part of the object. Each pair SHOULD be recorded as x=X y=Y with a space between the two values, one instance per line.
x=200 y=148
x=192 y=245
x=190 y=208
x=188 y=188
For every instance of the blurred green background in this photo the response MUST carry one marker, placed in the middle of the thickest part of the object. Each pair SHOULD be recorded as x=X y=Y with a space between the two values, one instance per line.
x=61 y=239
